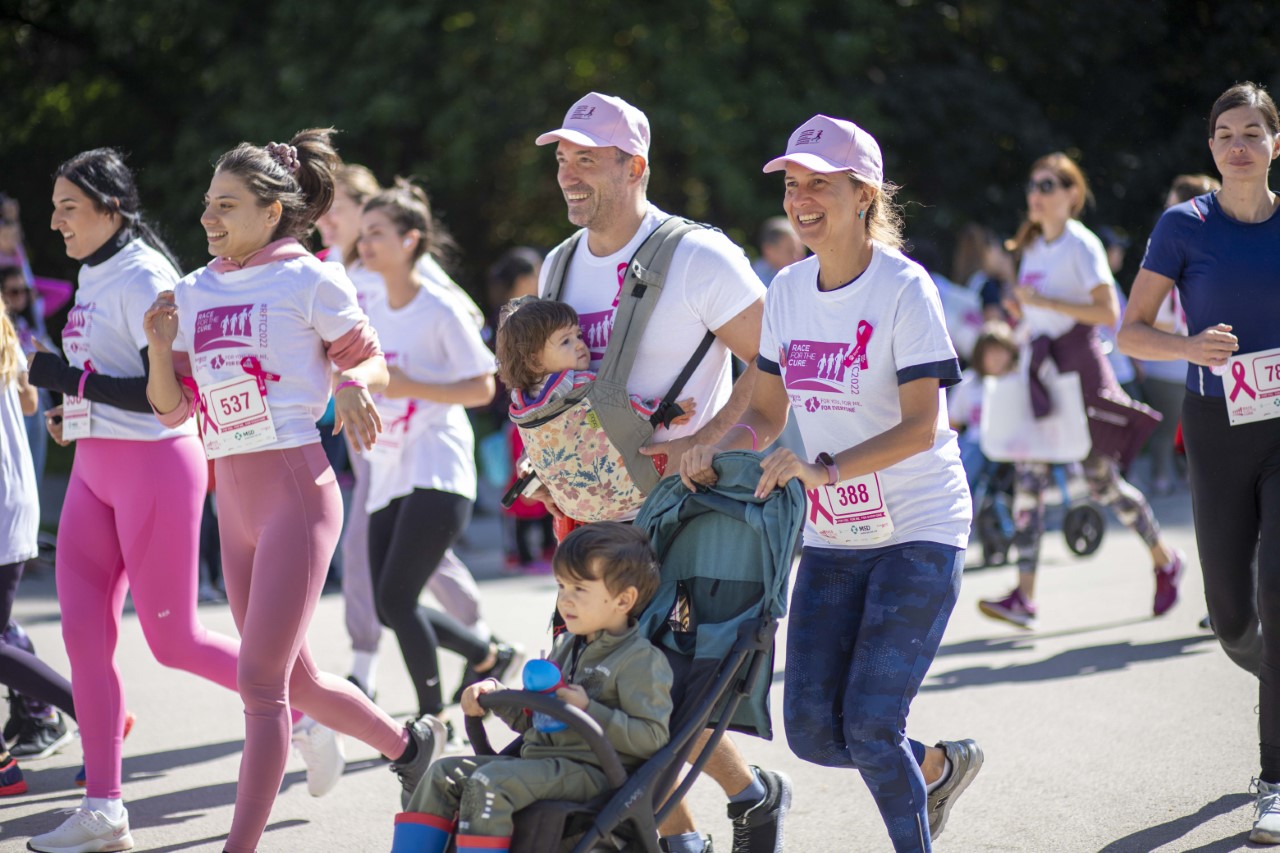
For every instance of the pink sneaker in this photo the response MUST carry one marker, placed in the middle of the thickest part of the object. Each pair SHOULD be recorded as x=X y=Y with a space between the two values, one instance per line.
x=1013 y=608
x=1167 y=580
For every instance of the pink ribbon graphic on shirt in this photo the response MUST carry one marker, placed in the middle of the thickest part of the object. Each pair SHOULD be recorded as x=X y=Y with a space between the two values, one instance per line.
x=859 y=351
x=203 y=421
x=253 y=367
x=404 y=419
x=1237 y=373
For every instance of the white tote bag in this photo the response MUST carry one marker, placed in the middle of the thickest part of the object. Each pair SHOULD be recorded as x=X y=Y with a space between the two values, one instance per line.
x=1009 y=431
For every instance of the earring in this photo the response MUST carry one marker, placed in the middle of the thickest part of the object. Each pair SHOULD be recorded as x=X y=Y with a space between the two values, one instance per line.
x=407 y=242
x=861 y=214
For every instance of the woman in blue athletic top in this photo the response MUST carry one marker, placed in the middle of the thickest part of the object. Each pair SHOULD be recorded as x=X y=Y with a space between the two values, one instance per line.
x=1222 y=251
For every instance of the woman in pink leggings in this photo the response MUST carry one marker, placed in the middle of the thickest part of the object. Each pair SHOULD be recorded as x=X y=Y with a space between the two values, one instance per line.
x=247 y=344
x=123 y=528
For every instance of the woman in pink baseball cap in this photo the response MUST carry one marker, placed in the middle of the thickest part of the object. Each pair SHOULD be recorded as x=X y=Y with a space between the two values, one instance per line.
x=854 y=345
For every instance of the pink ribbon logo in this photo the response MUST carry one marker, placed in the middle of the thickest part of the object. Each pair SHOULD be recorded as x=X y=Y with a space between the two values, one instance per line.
x=859 y=351
x=402 y=422
x=253 y=367
x=816 y=507
x=1237 y=373
x=203 y=421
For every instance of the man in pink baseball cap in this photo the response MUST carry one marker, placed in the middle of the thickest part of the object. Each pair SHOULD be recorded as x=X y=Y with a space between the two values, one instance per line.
x=602 y=167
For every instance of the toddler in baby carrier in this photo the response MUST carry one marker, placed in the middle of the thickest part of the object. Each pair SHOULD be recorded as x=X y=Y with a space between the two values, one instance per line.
x=580 y=429
x=725 y=562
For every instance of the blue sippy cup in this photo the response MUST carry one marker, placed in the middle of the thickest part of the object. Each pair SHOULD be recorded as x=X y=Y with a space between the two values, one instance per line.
x=543 y=676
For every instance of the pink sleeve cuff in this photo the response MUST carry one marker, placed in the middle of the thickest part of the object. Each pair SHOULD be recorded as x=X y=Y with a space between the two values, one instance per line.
x=356 y=346
x=181 y=369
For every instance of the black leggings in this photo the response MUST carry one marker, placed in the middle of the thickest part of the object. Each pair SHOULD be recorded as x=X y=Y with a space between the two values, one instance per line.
x=407 y=539
x=1235 y=500
x=21 y=670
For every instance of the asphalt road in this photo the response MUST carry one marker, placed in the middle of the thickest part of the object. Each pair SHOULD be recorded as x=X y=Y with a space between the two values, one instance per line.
x=1104 y=729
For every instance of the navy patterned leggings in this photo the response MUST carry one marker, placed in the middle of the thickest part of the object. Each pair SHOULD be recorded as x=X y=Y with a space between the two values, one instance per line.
x=863 y=628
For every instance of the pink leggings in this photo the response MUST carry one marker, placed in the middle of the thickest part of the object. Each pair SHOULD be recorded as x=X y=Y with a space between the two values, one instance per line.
x=279 y=517
x=131 y=521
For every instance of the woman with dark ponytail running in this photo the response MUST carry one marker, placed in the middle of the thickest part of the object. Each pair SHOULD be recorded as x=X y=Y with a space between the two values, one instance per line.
x=246 y=344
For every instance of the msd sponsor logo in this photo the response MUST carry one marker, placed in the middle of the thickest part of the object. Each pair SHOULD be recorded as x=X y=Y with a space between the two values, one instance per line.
x=223 y=327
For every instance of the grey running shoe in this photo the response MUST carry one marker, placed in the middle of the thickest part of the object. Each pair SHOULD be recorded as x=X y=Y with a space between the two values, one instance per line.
x=430 y=736
x=757 y=827
x=1266 y=828
x=966 y=760
x=40 y=738
x=507 y=660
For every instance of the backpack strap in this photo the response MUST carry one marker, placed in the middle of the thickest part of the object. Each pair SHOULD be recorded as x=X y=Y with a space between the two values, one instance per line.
x=668 y=410
x=560 y=266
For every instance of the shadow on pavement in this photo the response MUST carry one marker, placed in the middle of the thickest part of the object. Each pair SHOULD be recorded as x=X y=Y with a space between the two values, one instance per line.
x=1152 y=837
x=1068 y=664
x=1011 y=642
x=215 y=839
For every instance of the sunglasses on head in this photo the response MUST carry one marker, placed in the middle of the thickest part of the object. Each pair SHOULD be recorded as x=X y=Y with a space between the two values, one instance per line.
x=1045 y=186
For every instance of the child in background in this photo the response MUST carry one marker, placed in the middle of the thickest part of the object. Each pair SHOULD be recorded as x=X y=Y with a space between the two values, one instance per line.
x=995 y=353
x=606 y=574
x=542 y=357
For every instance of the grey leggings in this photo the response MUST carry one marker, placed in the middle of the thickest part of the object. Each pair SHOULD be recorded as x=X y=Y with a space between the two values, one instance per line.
x=1106 y=487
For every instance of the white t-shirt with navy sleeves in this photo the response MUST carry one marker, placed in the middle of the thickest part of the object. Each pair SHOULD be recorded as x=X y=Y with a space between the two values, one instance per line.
x=842 y=355
x=280 y=313
x=104 y=331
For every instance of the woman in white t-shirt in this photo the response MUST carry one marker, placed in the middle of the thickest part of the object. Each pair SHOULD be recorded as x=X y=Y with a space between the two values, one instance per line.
x=855 y=346
x=1065 y=291
x=248 y=344
x=452 y=583
x=422 y=475
x=124 y=528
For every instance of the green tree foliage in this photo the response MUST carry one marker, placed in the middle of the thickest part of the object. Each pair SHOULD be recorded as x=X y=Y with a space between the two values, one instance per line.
x=961 y=95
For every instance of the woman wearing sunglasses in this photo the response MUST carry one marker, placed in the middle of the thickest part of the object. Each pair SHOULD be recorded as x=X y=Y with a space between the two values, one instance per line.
x=1065 y=290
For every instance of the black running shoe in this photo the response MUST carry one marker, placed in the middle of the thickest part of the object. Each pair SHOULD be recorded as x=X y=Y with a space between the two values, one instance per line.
x=757 y=827
x=509 y=658
x=41 y=738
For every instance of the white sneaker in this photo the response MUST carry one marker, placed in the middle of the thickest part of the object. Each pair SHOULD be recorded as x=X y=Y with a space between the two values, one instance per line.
x=85 y=832
x=321 y=750
x=1266 y=829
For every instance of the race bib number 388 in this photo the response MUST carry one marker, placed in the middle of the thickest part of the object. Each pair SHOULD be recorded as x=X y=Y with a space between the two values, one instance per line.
x=852 y=512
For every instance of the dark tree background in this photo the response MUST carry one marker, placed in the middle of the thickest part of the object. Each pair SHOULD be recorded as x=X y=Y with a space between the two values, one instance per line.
x=962 y=96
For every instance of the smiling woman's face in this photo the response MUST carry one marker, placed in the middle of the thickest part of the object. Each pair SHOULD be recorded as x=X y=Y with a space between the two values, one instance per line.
x=235 y=225
x=84 y=228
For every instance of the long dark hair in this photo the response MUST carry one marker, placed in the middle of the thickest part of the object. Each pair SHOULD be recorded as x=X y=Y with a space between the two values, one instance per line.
x=103 y=176
x=304 y=193
x=406 y=204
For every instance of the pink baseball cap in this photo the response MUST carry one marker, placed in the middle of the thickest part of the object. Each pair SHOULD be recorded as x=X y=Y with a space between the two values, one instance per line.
x=826 y=144
x=600 y=121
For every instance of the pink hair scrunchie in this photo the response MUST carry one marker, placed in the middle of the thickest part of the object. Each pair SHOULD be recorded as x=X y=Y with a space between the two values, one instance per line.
x=284 y=154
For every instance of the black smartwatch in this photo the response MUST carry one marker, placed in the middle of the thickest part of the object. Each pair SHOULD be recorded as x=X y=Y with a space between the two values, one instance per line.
x=827 y=461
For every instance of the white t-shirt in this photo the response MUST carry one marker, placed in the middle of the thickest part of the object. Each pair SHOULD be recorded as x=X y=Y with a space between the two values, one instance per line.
x=433 y=340
x=841 y=398
x=19 y=501
x=280 y=313
x=104 y=330
x=710 y=282
x=964 y=401
x=370 y=286
x=1068 y=269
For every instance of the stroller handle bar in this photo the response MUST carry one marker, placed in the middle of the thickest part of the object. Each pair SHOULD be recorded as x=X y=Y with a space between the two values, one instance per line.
x=583 y=725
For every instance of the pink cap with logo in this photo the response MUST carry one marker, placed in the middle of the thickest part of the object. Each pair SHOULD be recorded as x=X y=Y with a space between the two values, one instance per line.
x=600 y=121
x=825 y=144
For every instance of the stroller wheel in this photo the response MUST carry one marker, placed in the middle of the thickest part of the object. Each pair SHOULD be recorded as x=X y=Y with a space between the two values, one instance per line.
x=1083 y=528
